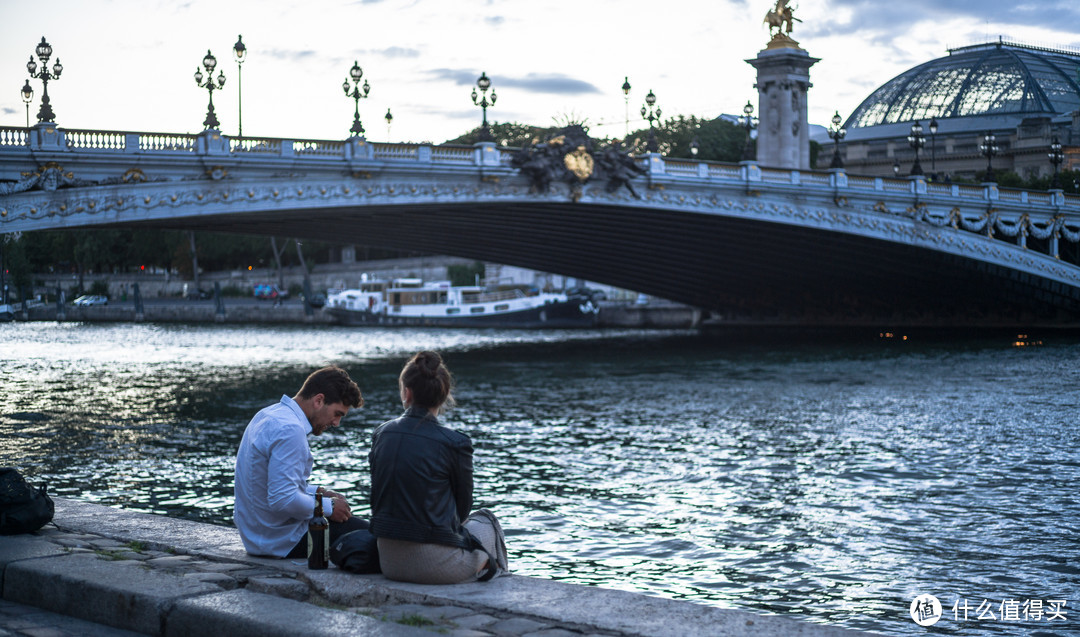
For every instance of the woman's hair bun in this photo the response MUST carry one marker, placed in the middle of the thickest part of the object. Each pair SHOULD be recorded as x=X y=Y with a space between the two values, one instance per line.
x=429 y=363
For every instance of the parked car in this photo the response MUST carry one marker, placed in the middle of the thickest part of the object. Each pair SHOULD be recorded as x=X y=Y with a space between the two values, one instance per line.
x=91 y=299
x=270 y=293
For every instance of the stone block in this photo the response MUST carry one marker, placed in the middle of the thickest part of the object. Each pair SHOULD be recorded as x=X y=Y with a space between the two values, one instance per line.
x=243 y=613
x=25 y=547
x=220 y=580
x=279 y=586
x=113 y=593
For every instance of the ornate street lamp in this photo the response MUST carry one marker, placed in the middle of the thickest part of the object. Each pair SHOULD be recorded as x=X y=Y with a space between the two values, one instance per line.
x=239 y=54
x=746 y=120
x=210 y=63
x=836 y=132
x=389 y=118
x=988 y=149
x=652 y=114
x=356 y=92
x=695 y=146
x=483 y=83
x=896 y=167
x=626 y=100
x=916 y=140
x=1056 y=157
x=933 y=146
x=44 y=52
x=27 y=93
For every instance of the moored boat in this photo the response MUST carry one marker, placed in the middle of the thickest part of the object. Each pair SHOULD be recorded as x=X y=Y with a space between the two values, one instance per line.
x=439 y=304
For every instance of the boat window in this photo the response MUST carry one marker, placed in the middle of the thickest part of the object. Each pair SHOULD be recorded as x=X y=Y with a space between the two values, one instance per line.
x=502 y=307
x=453 y=310
x=476 y=310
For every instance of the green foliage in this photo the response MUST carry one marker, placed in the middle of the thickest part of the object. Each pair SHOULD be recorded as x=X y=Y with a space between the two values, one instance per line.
x=511 y=135
x=718 y=139
x=465 y=274
x=415 y=620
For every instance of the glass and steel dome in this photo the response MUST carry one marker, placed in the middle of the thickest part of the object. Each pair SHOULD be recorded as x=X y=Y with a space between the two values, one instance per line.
x=986 y=82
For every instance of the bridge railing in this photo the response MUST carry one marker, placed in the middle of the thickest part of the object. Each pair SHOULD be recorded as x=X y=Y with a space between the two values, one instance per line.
x=46 y=138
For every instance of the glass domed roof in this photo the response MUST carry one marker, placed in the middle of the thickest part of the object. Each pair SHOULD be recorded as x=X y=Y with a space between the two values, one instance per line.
x=996 y=79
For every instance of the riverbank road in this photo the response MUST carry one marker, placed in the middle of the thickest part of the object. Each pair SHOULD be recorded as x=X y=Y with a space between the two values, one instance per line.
x=107 y=572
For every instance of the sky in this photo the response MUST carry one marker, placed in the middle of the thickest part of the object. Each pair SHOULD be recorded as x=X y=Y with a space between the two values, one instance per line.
x=129 y=64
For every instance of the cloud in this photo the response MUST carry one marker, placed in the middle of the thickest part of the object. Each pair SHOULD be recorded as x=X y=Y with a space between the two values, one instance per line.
x=289 y=55
x=898 y=19
x=397 y=52
x=7 y=110
x=552 y=83
x=495 y=20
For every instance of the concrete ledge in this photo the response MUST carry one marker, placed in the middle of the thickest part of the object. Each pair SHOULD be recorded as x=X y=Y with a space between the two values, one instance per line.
x=23 y=547
x=119 y=594
x=160 y=575
x=243 y=613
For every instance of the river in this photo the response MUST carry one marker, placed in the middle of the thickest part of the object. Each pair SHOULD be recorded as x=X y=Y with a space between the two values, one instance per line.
x=830 y=478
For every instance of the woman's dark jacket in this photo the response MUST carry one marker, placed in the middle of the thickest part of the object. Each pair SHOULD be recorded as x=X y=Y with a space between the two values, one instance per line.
x=421 y=480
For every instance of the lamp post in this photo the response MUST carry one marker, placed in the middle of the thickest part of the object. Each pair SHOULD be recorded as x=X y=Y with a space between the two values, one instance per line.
x=896 y=167
x=626 y=100
x=44 y=52
x=916 y=140
x=27 y=93
x=836 y=132
x=933 y=146
x=356 y=92
x=695 y=146
x=239 y=54
x=484 y=83
x=210 y=63
x=651 y=112
x=988 y=149
x=1056 y=157
x=747 y=121
x=389 y=118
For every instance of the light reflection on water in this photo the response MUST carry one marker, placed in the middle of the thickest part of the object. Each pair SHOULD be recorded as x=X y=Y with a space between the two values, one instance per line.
x=835 y=481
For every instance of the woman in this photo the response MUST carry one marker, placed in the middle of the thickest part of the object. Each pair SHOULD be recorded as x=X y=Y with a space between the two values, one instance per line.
x=421 y=489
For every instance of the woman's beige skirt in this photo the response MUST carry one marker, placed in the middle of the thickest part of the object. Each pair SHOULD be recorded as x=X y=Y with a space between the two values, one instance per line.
x=439 y=564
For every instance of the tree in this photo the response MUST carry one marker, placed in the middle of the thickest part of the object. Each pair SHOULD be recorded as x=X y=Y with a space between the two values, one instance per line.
x=511 y=135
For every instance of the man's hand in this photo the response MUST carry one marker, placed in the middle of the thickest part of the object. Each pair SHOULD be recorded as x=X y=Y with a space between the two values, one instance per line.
x=341 y=512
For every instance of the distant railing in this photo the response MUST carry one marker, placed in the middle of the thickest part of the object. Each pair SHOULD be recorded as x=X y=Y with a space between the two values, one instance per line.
x=98 y=140
x=255 y=145
x=17 y=141
x=462 y=154
x=13 y=136
x=166 y=142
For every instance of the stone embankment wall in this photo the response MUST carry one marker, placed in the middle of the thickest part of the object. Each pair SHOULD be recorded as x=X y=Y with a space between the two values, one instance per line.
x=661 y=315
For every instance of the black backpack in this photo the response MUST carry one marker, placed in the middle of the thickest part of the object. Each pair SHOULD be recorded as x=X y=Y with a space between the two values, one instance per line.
x=356 y=552
x=23 y=509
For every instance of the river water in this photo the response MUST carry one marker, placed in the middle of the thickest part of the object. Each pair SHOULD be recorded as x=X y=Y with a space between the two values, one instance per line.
x=832 y=479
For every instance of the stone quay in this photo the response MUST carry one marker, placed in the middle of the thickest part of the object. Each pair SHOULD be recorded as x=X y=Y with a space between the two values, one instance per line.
x=109 y=572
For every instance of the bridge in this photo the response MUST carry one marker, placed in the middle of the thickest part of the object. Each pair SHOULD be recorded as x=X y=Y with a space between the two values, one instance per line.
x=743 y=241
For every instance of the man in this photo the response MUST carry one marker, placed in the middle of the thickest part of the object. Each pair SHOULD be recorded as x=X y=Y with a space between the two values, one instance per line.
x=274 y=501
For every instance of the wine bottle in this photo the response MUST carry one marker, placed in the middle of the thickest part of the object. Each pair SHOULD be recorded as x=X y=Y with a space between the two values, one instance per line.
x=318 y=554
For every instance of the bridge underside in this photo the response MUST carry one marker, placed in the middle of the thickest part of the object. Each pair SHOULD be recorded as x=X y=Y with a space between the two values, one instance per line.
x=737 y=269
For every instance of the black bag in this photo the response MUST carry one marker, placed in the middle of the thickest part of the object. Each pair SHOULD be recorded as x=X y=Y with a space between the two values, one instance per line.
x=356 y=552
x=23 y=509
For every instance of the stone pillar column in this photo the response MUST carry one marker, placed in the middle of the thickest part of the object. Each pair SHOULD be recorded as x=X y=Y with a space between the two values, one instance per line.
x=783 y=77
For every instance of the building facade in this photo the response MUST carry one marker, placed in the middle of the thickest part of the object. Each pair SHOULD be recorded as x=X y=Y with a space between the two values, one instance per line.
x=1025 y=96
